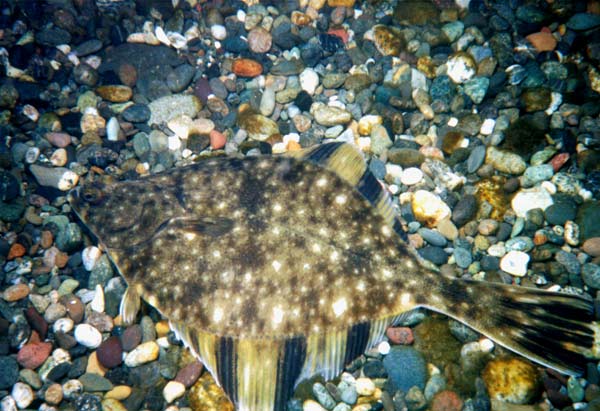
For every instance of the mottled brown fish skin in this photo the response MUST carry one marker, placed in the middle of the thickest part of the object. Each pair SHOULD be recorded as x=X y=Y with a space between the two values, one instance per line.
x=260 y=247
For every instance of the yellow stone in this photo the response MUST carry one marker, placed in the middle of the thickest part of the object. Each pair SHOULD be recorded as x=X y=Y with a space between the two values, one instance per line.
x=366 y=123
x=111 y=404
x=120 y=392
x=162 y=328
x=206 y=395
x=429 y=208
x=94 y=366
x=512 y=380
x=594 y=76
x=340 y=3
x=115 y=93
x=388 y=40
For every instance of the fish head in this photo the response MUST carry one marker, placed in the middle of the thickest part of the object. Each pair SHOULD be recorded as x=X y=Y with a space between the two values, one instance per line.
x=83 y=198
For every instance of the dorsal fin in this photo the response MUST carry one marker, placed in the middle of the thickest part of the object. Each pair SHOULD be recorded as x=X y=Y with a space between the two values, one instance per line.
x=348 y=163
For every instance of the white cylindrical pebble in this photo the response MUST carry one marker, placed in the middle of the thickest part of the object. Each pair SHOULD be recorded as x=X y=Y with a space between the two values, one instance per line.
x=22 y=394
x=90 y=256
x=32 y=155
x=112 y=129
x=411 y=176
x=173 y=390
x=97 y=303
x=515 y=263
x=88 y=336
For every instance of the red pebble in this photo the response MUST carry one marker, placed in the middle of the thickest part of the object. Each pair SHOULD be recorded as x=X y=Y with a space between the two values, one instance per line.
x=341 y=33
x=189 y=374
x=37 y=322
x=400 y=335
x=32 y=355
x=559 y=160
x=446 y=401
x=110 y=352
x=217 y=140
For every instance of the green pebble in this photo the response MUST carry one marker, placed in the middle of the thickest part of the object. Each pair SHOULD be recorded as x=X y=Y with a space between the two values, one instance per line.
x=575 y=390
x=68 y=286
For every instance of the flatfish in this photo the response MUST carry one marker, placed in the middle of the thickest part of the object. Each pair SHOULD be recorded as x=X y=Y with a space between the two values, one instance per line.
x=272 y=269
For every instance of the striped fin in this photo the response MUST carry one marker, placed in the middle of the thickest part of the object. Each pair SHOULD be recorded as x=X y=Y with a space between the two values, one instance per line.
x=348 y=163
x=130 y=305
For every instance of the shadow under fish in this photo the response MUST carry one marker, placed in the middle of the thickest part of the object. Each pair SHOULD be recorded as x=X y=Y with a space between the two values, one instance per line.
x=274 y=269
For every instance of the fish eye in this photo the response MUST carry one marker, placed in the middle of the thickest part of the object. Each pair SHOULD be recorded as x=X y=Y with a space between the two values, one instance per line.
x=91 y=195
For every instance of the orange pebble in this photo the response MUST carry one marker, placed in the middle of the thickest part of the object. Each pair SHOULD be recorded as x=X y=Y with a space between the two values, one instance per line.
x=246 y=67
x=16 y=250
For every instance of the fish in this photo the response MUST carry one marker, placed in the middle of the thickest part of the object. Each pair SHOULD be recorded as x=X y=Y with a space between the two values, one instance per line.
x=273 y=269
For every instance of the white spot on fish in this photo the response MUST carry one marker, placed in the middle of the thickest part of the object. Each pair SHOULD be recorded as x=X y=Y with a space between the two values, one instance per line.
x=316 y=248
x=276 y=265
x=334 y=256
x=387 y=273
x=386 y=231
x=321 y=182
x=218 y=314
x=341 y=199
x=339 y=306
x=216 y=254
x=278 y=314
x=189 y=236
x=361 y=286
x=277 y=207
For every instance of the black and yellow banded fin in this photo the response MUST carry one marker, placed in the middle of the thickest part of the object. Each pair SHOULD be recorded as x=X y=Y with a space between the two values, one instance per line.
x=348 y=163
x=553 y=329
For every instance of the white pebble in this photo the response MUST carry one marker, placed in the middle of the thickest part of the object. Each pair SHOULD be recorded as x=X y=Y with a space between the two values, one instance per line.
x=487 y=127
x=57 y=177
x=112 y=129
x=486 y=345
x=173 y=390
x=411 y=176
x=71 y=388
x=97 y=303
x=174 y=143
x=241 y=15
x=309 y=80
x=8 y=404
x=384 y=348
x=22 y=394
x=497 y=250
x=528 y=199
x=162 y=36
x=90 y=256
x=32 y=155
x=365 y=386
x=64 y=325
x=142 y=354
x=311 y=405
x=218 y=31
x=394 y=171
x=515 y=263
x=88 y=336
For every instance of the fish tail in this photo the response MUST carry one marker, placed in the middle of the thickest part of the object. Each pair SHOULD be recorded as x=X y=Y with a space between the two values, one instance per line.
x=553 y=329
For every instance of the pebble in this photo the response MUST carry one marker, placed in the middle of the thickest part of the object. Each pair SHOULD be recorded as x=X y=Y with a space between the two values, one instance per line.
x=33 y=354
x=87 y=335
x=245 y=67
x=53 y=394
x=259 y=40
x=529 y=199
x=111 y=404
x=22 y=394
x=311 y=405
x=515 y=263
x=460 y=67
x=328 y=115
x=323 y=396
x=428 y=208
x=166 y=108
x=512 y=380
x=115 y=93
x=406 y=368
x=120 y=392
x=446 y=401
x=112 y=129
x=189 y=374
x=93 y=382
x=309 y=80
x=173 y=390
x=365 y=387
x=57 y=177
x=15 y=292
x=142 y=354
x=218 y=31
x=591 y=246
x=504 y=161
x=110 y=352
x=400 y=335
x=58 y=139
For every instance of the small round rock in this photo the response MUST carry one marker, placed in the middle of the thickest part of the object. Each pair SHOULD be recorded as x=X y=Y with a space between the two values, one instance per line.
x=411 y=176
x=88 y=336
x=173 y=390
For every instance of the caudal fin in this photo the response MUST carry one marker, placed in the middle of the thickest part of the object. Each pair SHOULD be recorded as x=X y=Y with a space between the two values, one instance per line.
x=554 y=329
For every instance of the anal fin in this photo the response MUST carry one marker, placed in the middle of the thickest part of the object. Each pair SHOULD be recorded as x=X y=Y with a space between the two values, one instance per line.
x=130 y=305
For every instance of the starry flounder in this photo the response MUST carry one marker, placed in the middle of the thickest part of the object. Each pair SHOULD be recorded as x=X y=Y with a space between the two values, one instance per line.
x=274 y=269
